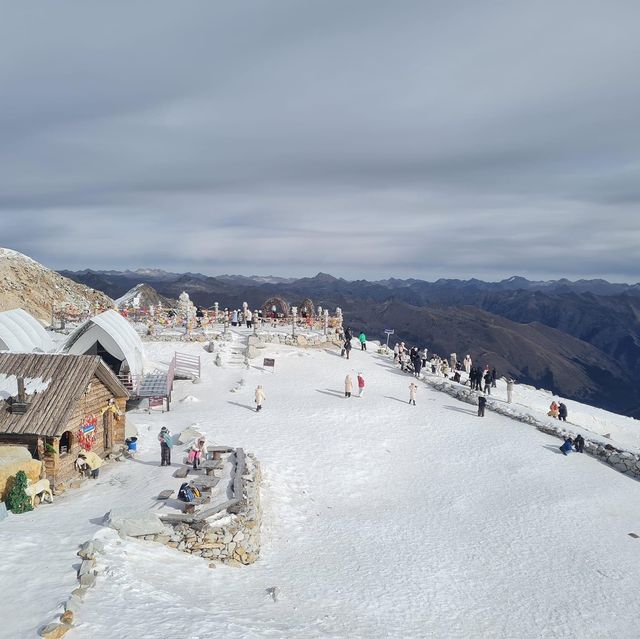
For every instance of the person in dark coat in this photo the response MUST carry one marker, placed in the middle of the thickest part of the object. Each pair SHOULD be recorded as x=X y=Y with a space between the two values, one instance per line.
x=562 y=412
x=417 y=365
x=347 y=347
x=494 y=376
x=567 y=447
x=578 y=443
x=482 y=402
x=488 y=379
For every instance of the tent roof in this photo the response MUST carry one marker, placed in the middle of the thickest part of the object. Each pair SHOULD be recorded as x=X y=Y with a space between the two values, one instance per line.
x=122 y=333
x=22 y=333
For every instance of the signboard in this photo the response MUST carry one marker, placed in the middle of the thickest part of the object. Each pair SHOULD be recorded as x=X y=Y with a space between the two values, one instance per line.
x=269 y=363
x=389 y=331
x=155 y=402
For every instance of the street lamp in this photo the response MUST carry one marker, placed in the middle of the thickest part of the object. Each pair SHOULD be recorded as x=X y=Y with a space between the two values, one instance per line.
x=326 y=320
x=294 y=313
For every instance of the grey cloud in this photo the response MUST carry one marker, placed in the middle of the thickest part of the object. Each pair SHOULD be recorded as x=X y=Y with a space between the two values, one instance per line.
x=365 y=138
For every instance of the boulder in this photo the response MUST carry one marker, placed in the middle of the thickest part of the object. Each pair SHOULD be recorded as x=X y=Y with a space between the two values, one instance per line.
x=134 y=523
x=54 y=630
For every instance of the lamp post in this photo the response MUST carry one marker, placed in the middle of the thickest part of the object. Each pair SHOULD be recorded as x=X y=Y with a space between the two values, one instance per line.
x=326 y=320
x=294 y=314
x=215 y=312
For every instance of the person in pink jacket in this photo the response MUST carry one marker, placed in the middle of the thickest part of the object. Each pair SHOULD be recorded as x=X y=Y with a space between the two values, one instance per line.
x=360 y=384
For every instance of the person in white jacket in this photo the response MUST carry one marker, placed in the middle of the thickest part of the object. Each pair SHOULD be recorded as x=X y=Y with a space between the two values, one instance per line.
x=509 y=391
x=467 y=363
x=348 y=386
x=260 y=397
x=412 y=393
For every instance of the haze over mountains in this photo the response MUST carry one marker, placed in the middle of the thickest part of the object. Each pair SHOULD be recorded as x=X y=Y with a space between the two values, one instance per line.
x=580 y=339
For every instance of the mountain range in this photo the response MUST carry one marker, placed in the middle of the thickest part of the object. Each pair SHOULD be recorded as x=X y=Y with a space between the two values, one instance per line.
x=580 y=339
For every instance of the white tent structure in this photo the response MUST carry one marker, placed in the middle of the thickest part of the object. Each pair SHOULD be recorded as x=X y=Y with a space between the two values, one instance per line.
x=112 y=337
x=22 y=333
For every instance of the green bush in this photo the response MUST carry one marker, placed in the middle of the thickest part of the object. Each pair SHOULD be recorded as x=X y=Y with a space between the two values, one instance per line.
x=18 y=501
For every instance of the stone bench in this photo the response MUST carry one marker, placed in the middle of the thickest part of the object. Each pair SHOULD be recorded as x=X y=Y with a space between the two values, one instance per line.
x=217 y=451
x=211 y=465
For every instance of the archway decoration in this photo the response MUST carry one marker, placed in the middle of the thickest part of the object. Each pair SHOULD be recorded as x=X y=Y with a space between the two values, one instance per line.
x=306 y=308
x=279 y=303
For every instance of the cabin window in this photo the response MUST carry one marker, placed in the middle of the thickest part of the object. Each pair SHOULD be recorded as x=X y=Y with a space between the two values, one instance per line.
x=65 y=442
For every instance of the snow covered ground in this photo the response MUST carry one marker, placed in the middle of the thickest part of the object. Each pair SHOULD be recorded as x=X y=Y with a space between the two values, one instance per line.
x=381 y=519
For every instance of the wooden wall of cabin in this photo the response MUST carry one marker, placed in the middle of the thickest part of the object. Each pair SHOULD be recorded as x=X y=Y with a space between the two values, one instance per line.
x=61 y=467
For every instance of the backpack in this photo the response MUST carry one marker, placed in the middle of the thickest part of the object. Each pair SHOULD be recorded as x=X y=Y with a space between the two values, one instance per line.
x=196 y=491
x=186 y=493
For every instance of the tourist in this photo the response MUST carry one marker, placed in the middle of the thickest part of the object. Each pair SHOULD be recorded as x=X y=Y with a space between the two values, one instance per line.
x=348 y=386
x=412 y=393
x=234 y=318
x=197 y=453
x=482 y=402
x=509 y=390
x=567 y=447
x=362 y=338
x=417 y=364
x=92 y=462
x=396 y=352
x=488 y=379
x=166 y=443
x=467 y=364
x=554 y=410
x=360 y=384
x=578 y=442
x=248 y=316
x=494 y=377
x=562 y=412
x=259 y=398
x=347 y=347
x=425 y=353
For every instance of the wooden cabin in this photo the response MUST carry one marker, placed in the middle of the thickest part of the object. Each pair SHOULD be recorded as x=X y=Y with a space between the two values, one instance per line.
x=56 y=405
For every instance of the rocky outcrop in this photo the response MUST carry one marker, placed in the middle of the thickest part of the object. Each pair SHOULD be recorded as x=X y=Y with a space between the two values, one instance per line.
x=26 y=284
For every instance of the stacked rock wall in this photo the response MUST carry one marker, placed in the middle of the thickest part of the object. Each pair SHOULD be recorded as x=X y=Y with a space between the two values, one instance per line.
x=623 y=461
x=232 y=538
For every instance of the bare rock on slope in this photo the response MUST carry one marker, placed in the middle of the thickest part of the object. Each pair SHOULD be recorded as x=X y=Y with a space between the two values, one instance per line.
x=24 y=283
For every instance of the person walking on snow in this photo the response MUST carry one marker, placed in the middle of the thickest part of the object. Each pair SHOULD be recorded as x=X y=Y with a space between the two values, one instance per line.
x=488 y=379
x=554 y=410
x=425 y=353
x=482 y=402
x=166 y=444
x=578 y=442
x=396 y=352
x=509 y=390
x=412 y=393
x=360 y=385
x=347 y=347
x=348 y=386
x=362 y=338
x=260 y=397
x=467 y=363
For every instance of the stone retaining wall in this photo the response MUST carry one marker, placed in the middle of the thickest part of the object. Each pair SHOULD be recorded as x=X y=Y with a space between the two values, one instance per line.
x=232 y=537
x=623 y=461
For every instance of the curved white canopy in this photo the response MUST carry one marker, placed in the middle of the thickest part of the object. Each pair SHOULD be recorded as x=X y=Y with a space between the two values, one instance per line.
x=115 y=334
x=22 y=333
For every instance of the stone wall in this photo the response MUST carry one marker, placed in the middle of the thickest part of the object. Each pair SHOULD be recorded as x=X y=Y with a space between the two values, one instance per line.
x=230 y=536
x=623 y=461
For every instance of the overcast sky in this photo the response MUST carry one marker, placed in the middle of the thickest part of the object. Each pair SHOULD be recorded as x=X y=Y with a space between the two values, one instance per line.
x=363 y=138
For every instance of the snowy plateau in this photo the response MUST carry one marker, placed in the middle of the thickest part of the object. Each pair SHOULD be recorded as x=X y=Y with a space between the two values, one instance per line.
x=381 y=519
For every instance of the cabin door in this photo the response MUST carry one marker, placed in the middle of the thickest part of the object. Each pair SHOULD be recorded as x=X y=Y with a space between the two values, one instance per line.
x=107 y=425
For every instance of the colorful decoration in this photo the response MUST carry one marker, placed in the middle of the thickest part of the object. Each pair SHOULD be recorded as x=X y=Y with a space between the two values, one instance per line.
x=87 y=432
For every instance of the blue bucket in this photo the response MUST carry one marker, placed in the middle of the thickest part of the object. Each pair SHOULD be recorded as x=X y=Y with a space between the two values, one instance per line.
x=132 y=443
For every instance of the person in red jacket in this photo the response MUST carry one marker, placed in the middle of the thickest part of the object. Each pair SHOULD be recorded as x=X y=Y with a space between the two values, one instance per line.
x=360 y=384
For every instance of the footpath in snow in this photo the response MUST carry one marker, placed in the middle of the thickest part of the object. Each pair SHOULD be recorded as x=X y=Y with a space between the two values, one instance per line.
x=381 y=519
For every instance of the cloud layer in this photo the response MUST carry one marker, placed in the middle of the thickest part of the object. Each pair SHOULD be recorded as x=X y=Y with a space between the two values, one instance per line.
x=364 y=138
